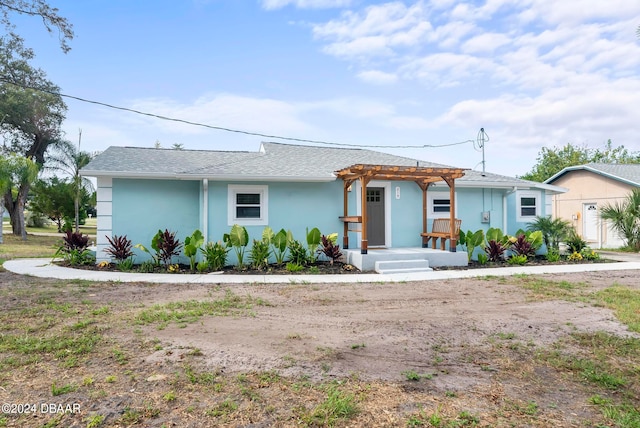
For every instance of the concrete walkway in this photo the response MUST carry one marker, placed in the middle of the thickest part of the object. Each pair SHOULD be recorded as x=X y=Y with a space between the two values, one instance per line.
x=43 y=268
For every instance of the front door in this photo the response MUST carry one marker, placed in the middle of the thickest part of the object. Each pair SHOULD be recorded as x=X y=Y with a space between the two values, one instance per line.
x=590 y=222
x=375 y=216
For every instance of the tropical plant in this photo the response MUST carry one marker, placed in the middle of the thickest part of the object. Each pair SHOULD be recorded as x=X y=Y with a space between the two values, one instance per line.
x=69 y=159
x=298 y=253
x=215 y=255
x=553 y=231
x=625 y=218
x=294 y=267
x=329 y=247
x=259 y=254
x=553 y=255
x=280 y=243
x=521 y=246
x=238 y=238
x=483 y=258
x=191 y=246
x=589 y=254
x=496 y=244
x=470 y=240
x=574 y=242
x=75 y=249
x=313 y=242
x=518 y=259
x=495 y=250
x=119 y=247
x=166 y=246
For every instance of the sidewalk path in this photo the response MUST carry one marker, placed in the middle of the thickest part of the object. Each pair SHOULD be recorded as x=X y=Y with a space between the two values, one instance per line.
x=44 y=269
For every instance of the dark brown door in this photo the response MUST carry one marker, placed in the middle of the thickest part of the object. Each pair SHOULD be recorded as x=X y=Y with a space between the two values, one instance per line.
x=375 y=216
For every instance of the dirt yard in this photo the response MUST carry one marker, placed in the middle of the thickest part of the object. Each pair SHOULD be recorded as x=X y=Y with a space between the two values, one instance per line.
x=408 y=351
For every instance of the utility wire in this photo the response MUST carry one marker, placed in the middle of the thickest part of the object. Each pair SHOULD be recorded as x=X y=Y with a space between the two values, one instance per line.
x=221 y=128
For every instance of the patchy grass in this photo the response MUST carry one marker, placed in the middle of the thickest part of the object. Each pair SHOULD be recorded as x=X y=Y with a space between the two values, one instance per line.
x=14 y=247
x=625 y=303
x=191 y=311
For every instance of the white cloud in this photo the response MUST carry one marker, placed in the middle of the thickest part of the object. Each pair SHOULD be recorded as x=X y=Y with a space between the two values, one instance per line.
x=377 y=77
x=378 y=28
x=305 y=4
x=485 y=43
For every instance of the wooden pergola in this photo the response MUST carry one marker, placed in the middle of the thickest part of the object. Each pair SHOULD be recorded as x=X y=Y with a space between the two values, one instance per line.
x=422 y=176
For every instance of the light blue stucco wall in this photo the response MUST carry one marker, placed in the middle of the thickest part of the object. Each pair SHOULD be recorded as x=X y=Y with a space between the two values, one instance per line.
x=292 y=206
x=142 y=207
x=512 y=210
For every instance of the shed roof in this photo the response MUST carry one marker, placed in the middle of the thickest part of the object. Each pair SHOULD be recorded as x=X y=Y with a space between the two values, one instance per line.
x=625 y=173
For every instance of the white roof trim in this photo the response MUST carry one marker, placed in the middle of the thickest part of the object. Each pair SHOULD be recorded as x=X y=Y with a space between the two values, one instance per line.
x=590 y=169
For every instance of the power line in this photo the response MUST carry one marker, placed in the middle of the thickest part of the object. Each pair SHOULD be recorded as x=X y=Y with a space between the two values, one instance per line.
x=222 y=128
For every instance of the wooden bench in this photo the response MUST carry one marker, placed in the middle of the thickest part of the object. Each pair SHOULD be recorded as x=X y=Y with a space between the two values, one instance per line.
x=440 y=229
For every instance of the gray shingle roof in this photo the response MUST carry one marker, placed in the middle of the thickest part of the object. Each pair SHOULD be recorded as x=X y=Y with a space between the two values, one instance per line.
x=275 y=161
x=628 y=173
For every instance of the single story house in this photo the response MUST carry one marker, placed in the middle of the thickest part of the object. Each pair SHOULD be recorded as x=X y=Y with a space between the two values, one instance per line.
x=591 y=187
x=295 y=187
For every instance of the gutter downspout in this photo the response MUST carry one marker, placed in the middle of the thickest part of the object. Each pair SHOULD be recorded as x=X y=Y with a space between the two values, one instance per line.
x=205 y=209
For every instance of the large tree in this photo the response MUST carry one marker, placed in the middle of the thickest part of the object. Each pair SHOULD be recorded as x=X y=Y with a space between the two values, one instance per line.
x=32 y=112
x=39 y=9
x=550 y=161
x=16 y=173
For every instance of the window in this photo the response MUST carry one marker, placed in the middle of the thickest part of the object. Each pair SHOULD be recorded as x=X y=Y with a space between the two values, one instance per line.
x=438 y=204
x=441 y=206
x=528 y=206
x=247 y=205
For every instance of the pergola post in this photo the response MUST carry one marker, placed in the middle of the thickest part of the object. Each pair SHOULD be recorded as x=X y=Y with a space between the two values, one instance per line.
x=453 y=238
x=424 y=187
x=364 y=242
x=345 y=225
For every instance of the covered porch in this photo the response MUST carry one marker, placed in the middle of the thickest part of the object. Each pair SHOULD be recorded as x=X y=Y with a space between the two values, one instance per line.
x=422 y=176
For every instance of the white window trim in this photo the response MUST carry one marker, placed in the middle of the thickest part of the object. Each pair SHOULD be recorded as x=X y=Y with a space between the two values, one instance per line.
x=439 y=195
x=233 y=190
x=527 y=218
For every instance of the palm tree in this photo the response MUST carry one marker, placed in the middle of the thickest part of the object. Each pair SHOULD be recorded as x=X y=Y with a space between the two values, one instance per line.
x=553 y=231
x=625 y=218
x=69 y=159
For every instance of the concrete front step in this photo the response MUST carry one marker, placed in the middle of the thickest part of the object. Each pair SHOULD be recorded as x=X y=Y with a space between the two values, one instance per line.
x=402 y=266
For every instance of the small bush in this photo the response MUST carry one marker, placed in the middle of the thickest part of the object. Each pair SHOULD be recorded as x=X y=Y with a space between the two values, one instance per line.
x=125 y=265
x=298 y=253
x=589 y=254
x=329 y=247
x=553 y=255
x=166 y=245
x=215 y=255
x=294 y=267
x=119 y=247
x=518 y=259
x=483 y=258
x=259 y=254
x=575 y=242
x=575 y=257
x=147 y=266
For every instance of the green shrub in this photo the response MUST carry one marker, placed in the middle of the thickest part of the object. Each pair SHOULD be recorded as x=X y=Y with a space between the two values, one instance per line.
x=215 y=255
x=575 y=242
x=553 y=255
x=518 y=259
x=483 y=258
x=259 y=254
x=147 y=266
x=191 y=245
x=125 y=265
x=294 y=267
x=298 y=253
x=238 y=238
x=589 y=254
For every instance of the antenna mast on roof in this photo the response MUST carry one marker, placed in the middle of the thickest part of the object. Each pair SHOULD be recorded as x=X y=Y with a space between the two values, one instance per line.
x=480 y=141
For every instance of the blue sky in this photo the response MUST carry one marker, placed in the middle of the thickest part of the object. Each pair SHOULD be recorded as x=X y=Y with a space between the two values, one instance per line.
x=532 y=73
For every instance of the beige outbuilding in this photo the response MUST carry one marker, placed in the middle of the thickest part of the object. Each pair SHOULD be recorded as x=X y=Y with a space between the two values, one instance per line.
x=591 y=187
